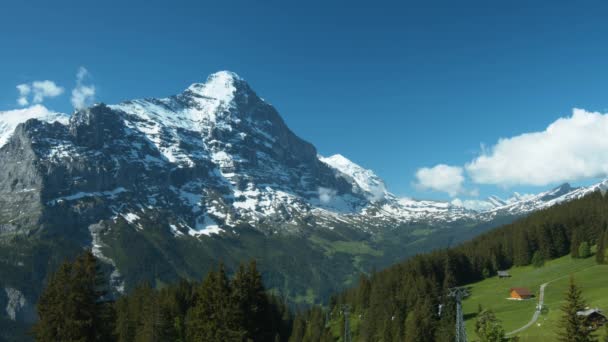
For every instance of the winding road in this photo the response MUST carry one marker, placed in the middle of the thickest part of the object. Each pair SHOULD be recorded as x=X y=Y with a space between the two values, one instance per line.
x=539 y=306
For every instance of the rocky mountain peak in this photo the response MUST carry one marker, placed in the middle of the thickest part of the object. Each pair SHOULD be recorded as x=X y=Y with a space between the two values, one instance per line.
x=557 y=192
x=364 y=179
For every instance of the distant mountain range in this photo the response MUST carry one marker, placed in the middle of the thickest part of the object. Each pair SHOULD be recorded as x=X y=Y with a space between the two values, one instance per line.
x=165 y=188
x=520 y=205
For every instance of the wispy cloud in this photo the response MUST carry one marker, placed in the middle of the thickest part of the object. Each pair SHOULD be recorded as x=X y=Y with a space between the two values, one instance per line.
x=326 y=195
x=83 y=94
x=37 y=91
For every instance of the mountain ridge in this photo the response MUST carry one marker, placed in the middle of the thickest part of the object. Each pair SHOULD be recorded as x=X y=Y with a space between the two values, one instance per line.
x=235 y=147
x=204 y=106
x=221 y=132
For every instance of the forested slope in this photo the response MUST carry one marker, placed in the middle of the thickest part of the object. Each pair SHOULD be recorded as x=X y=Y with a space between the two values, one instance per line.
x=402 y=301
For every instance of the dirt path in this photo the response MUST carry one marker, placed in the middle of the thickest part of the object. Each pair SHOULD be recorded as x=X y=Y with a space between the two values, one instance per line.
x=539 y=306
x=541 y=300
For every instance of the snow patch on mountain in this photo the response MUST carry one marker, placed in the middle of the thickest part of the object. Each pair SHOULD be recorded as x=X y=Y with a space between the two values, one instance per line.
x=219 y=89
x=9 y=120
x=116 y=279
x=111 y=194
x=364 y=179
x=207 y=227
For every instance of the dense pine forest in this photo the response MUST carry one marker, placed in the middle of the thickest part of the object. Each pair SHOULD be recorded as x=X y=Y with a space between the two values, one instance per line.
x=402 y=302
x=74 y=307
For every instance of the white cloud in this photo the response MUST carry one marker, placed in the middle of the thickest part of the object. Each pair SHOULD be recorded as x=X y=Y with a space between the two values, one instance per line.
x=39 y=90
x=473 y=204
x=15 y=116
x=10 y=119
x=443 y=178
x=570 y=149
x=22 y=101
x=24 y=91
x=82 y=95
x=326 y=195
x=42 y=89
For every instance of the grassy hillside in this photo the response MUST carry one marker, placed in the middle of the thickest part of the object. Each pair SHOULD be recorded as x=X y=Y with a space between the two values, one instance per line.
x=492 y=293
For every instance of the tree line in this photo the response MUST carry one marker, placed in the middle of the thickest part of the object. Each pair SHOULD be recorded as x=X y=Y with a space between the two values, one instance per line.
x=75 y=307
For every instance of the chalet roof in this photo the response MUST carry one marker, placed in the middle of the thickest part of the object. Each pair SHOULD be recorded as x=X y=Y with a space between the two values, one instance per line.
x=522 y=291
x=589 y=312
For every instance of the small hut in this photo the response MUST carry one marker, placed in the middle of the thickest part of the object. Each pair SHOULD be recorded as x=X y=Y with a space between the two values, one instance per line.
x=503 y=274
x=594 y=318
x=520 y=293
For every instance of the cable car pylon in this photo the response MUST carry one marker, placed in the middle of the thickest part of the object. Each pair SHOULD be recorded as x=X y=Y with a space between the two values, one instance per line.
x=459 y=293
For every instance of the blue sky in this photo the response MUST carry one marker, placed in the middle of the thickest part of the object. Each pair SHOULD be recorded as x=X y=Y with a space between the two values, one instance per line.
x=394 y=86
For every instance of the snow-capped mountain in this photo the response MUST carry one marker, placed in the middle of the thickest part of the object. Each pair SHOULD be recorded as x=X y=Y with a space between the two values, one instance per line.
x=524 y=204
x=218 y=157
x=164 y=188
x=372 y=186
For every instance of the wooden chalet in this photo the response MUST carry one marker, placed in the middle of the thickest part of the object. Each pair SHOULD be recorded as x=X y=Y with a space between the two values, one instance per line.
x=520 y=293
x=594 y=318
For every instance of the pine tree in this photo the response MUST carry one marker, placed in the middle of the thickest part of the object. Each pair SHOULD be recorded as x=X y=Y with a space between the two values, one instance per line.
x=183 y=299
x=485 y=273
x=488 y=327
x=250 y=297
x=605 y=243
x=420 y=323
x=125 y=329
x=538 y=260
x=53 y=324
x=315 y=326
x=147 y=315
x=213 y=316
x=575 y=243
x=447 y=321
x=600 y=255
x=449 y=279
x=521 y=248
x=584 y=250
x=71 y=307
x=299 y=329
x=573 y=325
x=363 y=293
x=561 y=243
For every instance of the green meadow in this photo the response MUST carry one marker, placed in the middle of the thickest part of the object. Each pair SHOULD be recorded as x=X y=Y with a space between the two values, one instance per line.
x=492 y=293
